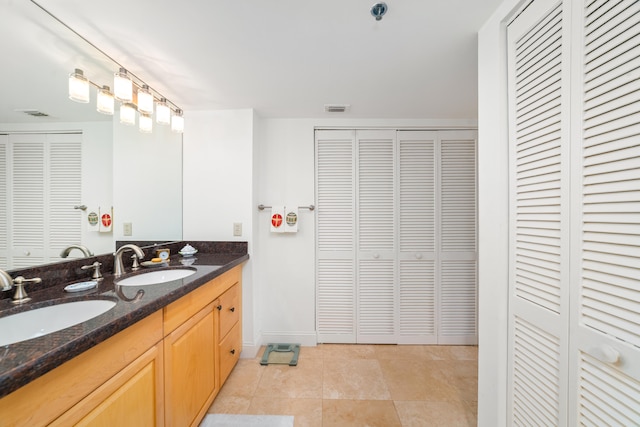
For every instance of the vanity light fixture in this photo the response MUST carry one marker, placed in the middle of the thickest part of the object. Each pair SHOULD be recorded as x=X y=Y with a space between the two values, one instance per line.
x=122 y=86
x=145 y=123
x=163 y=112
x=105 y=103
x=78 y=86
x=145 y=100
x=128 y=113
x=177 y=122
x=142 y=101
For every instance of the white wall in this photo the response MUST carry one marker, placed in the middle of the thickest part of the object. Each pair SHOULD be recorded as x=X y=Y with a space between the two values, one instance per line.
x=147 y=183
x=286 y=273
x=493 y=218
x=218 y=191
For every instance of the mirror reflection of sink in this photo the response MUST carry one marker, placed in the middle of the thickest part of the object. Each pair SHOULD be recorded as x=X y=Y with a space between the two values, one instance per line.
x=41 y=321
x=156 y=277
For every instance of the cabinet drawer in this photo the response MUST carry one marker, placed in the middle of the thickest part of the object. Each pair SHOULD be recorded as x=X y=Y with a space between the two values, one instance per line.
x=230 y=348
x=229 y=309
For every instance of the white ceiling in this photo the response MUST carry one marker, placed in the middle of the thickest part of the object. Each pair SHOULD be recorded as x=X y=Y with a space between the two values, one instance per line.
x=287 y=58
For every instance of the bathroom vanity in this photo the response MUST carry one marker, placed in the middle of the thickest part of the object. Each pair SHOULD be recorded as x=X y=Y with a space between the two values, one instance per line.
x=159 y=357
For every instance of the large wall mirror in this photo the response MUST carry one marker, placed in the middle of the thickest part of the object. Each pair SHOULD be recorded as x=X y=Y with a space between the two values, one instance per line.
x=136 y=176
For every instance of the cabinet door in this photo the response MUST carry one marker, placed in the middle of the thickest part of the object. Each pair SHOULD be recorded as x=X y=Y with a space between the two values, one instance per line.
x=190 y=384
x=131 y=397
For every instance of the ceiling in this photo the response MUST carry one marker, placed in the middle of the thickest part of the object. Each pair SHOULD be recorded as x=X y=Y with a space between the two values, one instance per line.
x=288 y=58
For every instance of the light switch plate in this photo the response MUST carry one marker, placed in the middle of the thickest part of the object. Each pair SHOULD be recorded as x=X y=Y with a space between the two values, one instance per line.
x=237 y=229
x=127 y=229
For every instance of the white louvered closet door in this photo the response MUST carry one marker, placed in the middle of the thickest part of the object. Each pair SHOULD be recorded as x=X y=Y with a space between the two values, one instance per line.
x=418 y=293
x=335 y=236
x=42 y=184
x=457 y=303
x=606 y=330
x=4 y=197
x=27 y=200
x=539 y=207
x=377 y=308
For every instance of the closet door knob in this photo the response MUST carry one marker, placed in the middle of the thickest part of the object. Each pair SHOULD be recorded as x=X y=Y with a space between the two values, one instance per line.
x=418 y=256
x=376 y=256
x=605 y=353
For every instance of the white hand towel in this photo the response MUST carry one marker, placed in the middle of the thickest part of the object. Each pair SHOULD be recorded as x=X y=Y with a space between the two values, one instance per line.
x=106 y=220
x=93 y=219
x=277 y=219
x=291 y=219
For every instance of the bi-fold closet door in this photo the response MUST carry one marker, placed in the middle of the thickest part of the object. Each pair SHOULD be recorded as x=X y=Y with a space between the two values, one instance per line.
x=396 y=236
x=574 y=310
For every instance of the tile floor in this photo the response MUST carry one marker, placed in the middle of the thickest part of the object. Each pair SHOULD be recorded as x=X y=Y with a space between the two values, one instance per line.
x=359 y=385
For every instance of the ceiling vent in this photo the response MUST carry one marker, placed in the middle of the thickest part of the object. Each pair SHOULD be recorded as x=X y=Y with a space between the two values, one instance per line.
x=34 y=113
x=336 y=108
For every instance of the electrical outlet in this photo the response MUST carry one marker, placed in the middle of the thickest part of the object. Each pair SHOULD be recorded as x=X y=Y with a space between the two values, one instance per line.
x=237 y=229
x=127 y=229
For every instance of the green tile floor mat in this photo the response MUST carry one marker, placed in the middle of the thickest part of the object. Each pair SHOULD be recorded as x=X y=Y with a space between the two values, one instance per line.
x=281 y=354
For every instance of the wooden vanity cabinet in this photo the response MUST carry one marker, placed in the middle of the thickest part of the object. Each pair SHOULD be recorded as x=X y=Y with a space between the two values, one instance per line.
x=118 y=380
x=230 y=330
x=195 y=362
x=164 y=370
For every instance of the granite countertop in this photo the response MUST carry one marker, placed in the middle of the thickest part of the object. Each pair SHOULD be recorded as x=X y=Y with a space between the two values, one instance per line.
x=23 y=362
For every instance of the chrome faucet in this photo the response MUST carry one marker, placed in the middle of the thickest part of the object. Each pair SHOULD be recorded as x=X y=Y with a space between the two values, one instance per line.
x=6 y=281
x=118 y=267
x=85 y=251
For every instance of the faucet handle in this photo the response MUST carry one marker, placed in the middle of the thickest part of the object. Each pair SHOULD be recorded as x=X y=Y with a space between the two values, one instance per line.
x=21 y=295
x=136 y=264
x=96 y=270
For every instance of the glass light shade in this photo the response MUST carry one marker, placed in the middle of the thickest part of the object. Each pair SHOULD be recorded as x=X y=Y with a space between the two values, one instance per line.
x=177 y=122
x=146 y=123
x=128 y=114
x=163 y=112
x=145 y=100
x=78 y=87
x=122 y=86
x=105 y=103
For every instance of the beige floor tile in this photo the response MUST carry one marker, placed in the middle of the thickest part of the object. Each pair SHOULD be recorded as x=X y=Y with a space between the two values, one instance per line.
x=360 y=379
x=306 y=412
x=417 y=380
x=311 y=352
x=426 y=414
x=359 y=413
x=401 y=352
x=348 y=351
x=230 y=405
x=464 y=352
x=301 y=381
x=244 y=379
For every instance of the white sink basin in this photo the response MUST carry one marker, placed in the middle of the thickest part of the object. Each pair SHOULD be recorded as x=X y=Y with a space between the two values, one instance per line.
x=45 y=320
x=156 y=277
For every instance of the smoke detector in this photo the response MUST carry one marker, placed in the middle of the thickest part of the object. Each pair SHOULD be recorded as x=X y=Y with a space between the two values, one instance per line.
x=336 y=108
x=378 y=10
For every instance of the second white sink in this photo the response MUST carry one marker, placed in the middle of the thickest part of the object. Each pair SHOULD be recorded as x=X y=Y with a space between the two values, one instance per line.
x=156 y=277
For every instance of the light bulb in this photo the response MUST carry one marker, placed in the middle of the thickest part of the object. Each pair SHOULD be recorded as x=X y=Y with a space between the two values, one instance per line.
x=163 y=112
x=78 y=87
x=146 y=123
x=145 y=100
x=128 y=114
x=122 y=86
x=105 y=103
x=177 y=122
